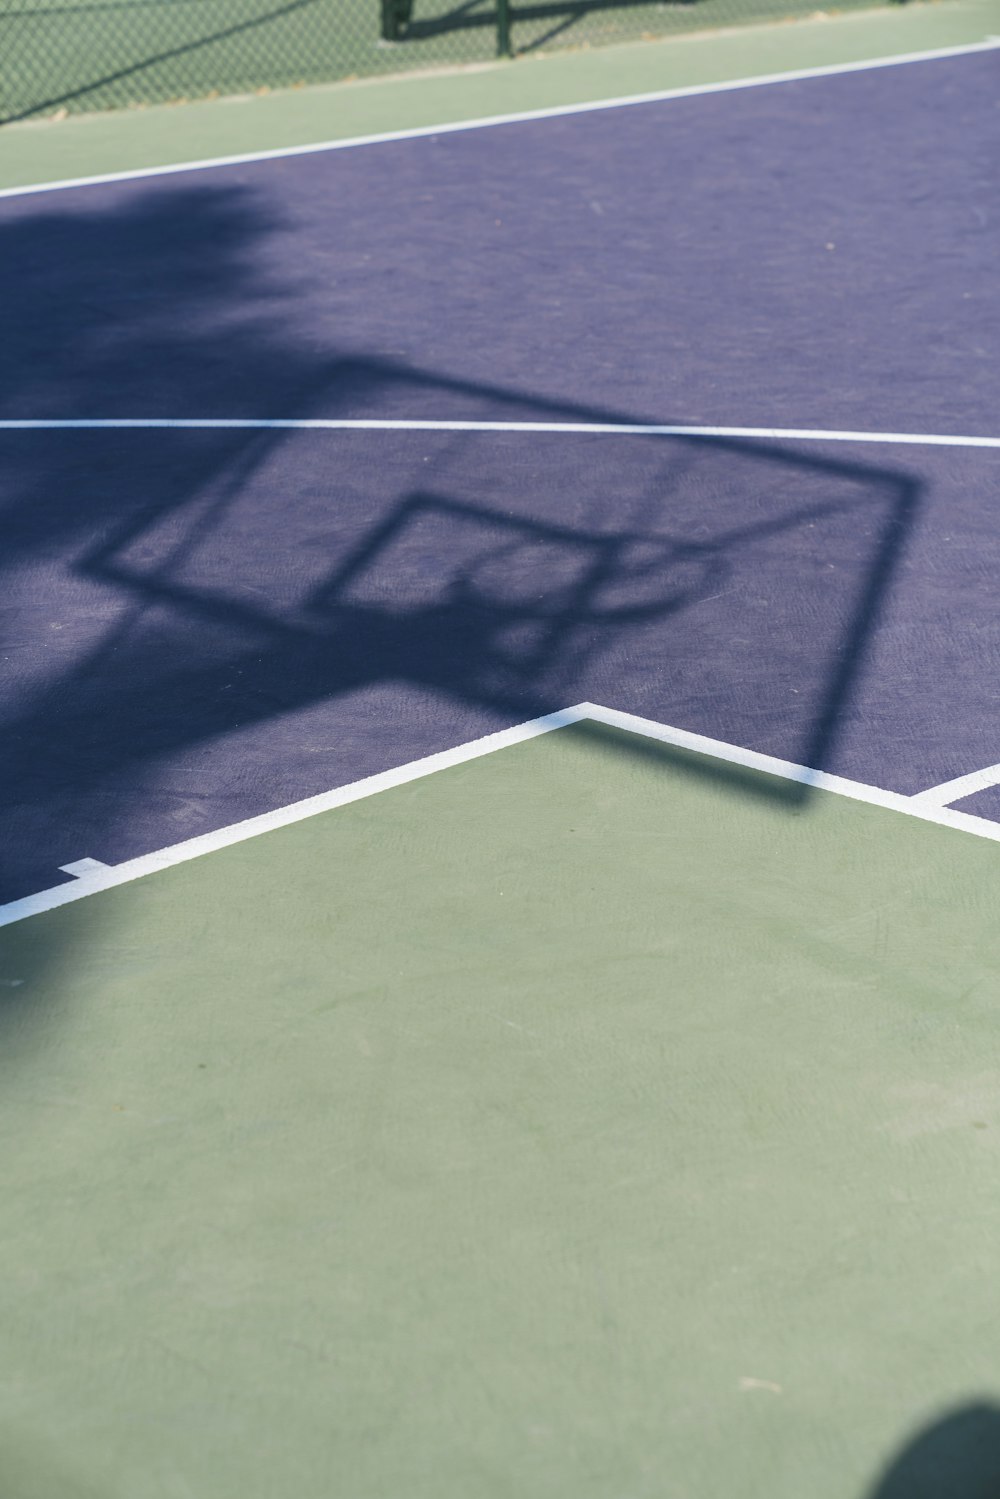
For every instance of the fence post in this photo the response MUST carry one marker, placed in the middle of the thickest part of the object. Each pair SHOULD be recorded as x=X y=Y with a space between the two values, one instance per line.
x=503 y=28
x=395 y=18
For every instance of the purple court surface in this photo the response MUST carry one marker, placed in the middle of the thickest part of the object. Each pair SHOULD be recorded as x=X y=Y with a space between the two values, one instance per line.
x=201 y=625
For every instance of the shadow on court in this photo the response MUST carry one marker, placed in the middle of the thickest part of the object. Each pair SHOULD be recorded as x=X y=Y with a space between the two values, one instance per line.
x=202 y=625
x=956 y=1457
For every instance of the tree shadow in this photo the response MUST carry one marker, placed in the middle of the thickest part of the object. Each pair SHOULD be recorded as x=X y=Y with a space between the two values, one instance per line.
x=202 y=625
x=956 y=1457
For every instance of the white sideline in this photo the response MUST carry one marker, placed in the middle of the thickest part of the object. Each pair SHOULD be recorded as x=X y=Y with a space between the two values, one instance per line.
x=554 y=112
x=403 y=424
x=105 y=877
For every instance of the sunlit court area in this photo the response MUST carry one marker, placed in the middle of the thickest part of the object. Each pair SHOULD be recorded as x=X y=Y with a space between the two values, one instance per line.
x=500 y=748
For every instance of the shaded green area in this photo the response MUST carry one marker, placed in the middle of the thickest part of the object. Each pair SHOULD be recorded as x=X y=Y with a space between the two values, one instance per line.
x=109 y=54
x=589 y=1119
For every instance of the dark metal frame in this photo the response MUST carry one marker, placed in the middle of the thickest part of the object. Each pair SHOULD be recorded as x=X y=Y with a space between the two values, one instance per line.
x=397 y=14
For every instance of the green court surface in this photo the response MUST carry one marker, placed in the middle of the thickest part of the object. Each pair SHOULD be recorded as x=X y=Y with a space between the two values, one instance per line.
x=588 y=1119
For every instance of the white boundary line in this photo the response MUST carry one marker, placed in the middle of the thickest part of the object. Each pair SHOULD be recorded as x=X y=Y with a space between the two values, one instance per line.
x=351 y=424
x=94 y=877
x=961 y=786
x=554 y=112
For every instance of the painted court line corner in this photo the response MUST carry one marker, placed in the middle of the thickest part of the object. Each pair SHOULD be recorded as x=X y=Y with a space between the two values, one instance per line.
x=92 y=877
x=962 y=786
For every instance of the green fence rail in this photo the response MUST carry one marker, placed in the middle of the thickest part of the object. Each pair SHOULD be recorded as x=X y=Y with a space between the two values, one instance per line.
x=112 y=54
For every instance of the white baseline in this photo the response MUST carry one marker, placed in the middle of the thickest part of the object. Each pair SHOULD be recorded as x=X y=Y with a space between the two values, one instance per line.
x=387 y=424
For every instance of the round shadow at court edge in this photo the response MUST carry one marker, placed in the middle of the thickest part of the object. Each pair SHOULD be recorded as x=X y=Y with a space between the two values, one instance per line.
x=957 y=1457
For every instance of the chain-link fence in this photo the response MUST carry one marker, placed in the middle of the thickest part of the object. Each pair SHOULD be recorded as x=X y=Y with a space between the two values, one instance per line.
x=110 y=54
